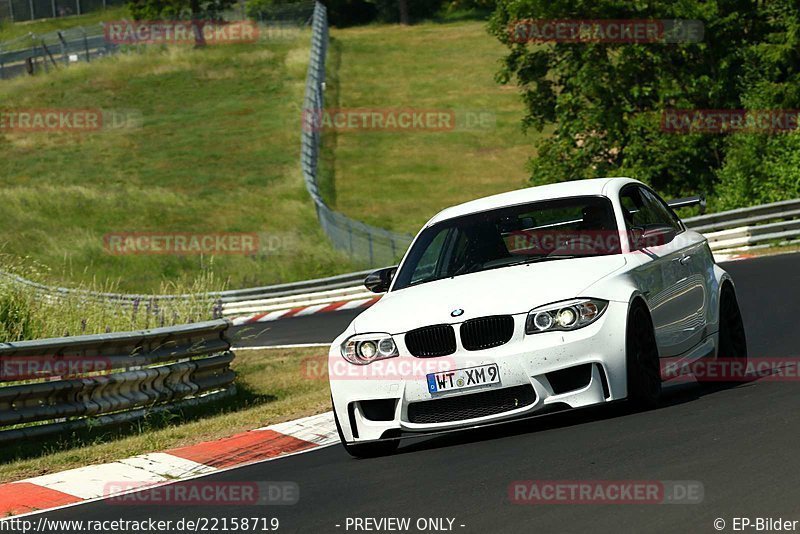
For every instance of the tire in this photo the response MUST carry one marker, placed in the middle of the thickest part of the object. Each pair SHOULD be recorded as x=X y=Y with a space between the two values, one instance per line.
x=642 y=362
x=732 y=339
x=366 y=450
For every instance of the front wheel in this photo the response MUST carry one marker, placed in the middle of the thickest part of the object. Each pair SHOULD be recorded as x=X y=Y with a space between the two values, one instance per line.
x=641 y=356
x=366 y=450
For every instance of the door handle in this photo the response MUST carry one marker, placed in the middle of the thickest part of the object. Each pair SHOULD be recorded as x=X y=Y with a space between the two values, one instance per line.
x=686 y=259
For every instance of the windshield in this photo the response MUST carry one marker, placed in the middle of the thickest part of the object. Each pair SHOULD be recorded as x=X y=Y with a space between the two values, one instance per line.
x=540 y=231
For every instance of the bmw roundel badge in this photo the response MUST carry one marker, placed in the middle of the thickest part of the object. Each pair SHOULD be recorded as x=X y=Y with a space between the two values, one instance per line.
x=457 y=313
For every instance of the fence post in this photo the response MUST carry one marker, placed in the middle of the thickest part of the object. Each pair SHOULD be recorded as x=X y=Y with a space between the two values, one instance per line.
x=33 y=15
x=53 y=6
x=350 y=232
x=86 y=45
x=63 y=44
x=78 y=5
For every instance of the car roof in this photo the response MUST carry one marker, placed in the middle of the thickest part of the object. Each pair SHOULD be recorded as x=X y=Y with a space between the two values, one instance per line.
x=575 y=188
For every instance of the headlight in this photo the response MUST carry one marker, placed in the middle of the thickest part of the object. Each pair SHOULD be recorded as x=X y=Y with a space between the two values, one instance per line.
x=567 y=315
x=364 y=349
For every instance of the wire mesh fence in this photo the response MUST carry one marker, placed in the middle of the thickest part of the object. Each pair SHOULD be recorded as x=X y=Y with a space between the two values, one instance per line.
x=22 y=10
x=34 y=53
x=377 y=246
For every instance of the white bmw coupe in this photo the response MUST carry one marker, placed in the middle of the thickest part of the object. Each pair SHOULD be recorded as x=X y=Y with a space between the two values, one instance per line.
x=552 y=297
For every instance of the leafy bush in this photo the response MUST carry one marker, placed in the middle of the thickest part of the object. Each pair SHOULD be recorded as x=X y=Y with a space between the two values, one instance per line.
x=606 y=99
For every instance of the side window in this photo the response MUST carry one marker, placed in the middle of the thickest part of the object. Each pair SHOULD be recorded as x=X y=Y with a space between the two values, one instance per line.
x=642 y=209
x=660 y=209
x=632 y=204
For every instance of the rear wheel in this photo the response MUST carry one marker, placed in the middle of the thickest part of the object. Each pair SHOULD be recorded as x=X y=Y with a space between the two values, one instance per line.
x=366 y=450
x=644 y=370
x=732 y=339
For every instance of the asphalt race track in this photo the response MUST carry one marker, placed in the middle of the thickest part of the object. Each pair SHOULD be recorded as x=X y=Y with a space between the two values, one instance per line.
x=740 y=442
x=319 y=328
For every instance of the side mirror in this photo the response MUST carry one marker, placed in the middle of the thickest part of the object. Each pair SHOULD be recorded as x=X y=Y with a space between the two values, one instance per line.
x=380 y=280
x=652 y=236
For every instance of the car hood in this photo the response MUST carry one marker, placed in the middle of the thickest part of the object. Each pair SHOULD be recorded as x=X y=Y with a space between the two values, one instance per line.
x=507 y=290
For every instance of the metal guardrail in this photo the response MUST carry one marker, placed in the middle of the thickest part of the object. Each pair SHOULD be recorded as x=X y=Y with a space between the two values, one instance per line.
x=726 y=231
x=377 y=246
x=743 y=228
x=735 y=229
x=58 y=384
x=341 y=281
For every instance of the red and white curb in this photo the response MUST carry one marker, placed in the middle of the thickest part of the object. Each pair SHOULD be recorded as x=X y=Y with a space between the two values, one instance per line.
x=304 y=310
x=720 y=258
x=99 y=481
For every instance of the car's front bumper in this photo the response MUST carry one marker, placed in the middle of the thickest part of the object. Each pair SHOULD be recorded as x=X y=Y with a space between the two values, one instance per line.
x=526 y=362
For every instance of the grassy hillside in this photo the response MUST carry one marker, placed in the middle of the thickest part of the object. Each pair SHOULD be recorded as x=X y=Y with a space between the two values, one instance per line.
x=217 y=151
x=399 y=179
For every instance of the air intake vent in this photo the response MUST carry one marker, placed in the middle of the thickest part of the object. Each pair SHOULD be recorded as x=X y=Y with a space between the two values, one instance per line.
x=487 y=332
x=431 y=341
x=471 y=406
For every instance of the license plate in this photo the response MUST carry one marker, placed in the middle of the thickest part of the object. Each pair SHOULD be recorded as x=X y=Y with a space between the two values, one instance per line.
x=463 y=378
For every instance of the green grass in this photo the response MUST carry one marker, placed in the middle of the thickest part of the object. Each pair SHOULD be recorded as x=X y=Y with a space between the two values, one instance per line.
x=218 y=151
x=24 y=314
x=398 y=180
x=272 y=387
x=10 y=30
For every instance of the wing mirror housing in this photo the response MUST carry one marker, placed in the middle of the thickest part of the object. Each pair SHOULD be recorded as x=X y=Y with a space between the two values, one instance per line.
x=380 y=280
x=652 y=236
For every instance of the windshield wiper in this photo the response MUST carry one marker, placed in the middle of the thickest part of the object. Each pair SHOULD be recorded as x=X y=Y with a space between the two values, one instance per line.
x=538 y=259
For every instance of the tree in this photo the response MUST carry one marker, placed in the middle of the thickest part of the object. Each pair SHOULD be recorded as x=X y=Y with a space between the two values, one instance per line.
x=197 y=11
x=403 y=8
x=606 y=100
